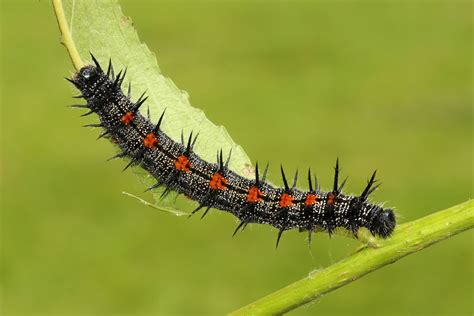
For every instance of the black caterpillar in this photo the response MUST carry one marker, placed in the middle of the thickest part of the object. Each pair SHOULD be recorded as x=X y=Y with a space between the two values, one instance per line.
x=176 y=167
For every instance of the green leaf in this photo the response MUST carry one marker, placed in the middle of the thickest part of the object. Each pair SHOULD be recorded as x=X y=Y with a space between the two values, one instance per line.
x=102 y=29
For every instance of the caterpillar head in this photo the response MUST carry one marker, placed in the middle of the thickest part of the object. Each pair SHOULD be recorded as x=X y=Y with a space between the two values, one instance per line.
x=86 y=78
x=383 y=222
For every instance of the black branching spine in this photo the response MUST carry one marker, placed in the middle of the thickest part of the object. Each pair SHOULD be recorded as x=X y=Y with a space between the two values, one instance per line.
x=213 y=185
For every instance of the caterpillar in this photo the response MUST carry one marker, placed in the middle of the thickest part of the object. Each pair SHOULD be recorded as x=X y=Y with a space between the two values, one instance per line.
x=178 y=168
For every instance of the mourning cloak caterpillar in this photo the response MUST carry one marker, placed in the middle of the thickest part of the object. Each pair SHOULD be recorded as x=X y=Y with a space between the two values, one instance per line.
x=178 y=168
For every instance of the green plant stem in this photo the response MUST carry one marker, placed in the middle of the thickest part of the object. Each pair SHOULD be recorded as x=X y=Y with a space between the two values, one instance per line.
x=66 y=38
x=407 y=239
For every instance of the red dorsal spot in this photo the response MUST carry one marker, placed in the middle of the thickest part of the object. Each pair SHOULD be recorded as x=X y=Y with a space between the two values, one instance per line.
x=254 y=195
x=127 y=118
x=311 y=199
x=331 y=198
x=150 y=140
x=182 y=163
x=218 y=182
x=286 y=200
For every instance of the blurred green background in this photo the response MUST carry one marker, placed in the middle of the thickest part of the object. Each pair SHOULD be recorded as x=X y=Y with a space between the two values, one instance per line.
x=379 y=85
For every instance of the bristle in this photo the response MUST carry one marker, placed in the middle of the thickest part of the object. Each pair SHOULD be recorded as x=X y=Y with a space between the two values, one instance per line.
x=156 y=185
x=264 y=176
x=316 y=183
x=158 y=125
x=226 y=165
x=285 y=183
x=139 y=102
x=88 y=113
x=257 y=181
x=365 y=194
x=130 y=163
x=295 y=180
x=122 y=78
x=71 y=81
x=310 y=233
x=93 y=125
x=220 y=161
x=135 y=160
x=336 y=176
x=189 y=145
x=119 y=155
x=80 y=106
x=205 y=212
x=339 y=189
x=166 y=191
x=280 y=232
x=195 y=139
x=96 y=62
x=196 y=209
x=242 y=223
x=103 y=134
x=373 y=189
x=110 y=70
x=117 y=81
